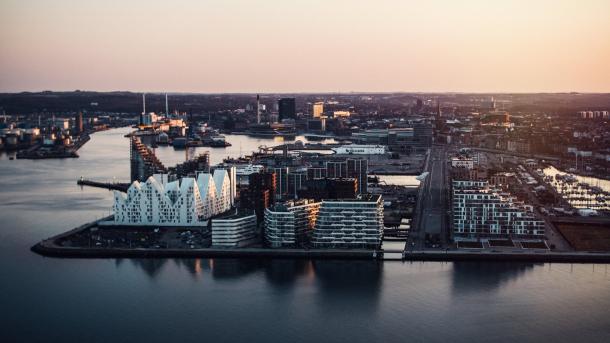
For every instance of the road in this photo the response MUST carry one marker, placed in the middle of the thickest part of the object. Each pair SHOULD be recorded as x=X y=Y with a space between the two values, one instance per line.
x=432 y=207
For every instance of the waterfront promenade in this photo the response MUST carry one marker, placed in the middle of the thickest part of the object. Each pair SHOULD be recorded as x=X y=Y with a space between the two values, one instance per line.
x=52 y=248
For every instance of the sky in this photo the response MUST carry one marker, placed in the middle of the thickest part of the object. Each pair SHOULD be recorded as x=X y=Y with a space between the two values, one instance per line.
x=305 y=46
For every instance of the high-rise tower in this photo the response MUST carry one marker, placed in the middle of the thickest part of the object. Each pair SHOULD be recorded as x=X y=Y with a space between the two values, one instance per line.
x=79 y=122
x=287 y=108
x=317 y=109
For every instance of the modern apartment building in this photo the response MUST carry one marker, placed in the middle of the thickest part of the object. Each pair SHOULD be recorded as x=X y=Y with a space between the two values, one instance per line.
x=233 y=230
x=290 y=224
x=260 y=194
x=350 y=223
x=480 y=210
x=350 y=168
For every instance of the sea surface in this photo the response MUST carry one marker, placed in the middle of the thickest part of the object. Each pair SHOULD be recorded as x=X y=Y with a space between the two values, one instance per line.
x=226 y=300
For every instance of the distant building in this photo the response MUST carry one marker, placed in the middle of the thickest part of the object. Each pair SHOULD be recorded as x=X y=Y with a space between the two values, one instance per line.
x=290 y=224
x=260 y=194
x=492 y=103
x=350 y=223
x=296 y=181
x=460 y=173
x=337 y=114
x=189 y=168
x=594 y=114
x=287 y=108
x=502 y=179
x=61 y=123
x=481 y=210
x=350 y=168
x=418 y=136
x=319 y=189
x=281 y=182
x=419 y=105
x=462 y=162
x=79 y=123
x=317 y=109
x=148 y=119
x=356 y=149
x=234 y=230
x=316 y=125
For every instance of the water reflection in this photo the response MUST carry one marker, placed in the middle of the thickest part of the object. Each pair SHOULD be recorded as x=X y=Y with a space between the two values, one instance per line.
x=234 y=268
x=196 y=266
x=473 y=277
x=285 y=272
x=150 y=266
x=348 y=288
x=348 y=277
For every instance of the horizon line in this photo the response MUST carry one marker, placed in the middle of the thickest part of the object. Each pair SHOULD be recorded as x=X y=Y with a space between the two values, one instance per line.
x=302 y=92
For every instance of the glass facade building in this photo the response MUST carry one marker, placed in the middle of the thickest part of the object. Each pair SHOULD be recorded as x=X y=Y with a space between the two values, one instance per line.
x=350 y=223
x=290 y=224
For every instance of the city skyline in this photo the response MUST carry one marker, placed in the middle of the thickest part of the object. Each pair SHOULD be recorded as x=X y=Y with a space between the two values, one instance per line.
x=304 y=47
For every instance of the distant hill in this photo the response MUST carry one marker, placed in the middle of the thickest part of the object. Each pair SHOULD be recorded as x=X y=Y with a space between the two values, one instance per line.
x=130 y=102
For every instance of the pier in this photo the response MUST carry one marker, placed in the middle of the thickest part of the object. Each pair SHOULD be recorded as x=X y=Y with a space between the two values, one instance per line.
x=113 y=186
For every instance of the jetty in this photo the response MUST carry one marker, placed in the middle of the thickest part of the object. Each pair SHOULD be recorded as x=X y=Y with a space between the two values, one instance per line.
x=113 y=186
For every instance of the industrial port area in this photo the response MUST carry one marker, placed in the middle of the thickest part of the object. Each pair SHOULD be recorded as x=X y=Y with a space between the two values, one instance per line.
x=367 y=176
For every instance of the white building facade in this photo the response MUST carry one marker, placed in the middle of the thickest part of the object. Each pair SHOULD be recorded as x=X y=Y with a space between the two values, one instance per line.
x=350 y=223
x=234 y=230
x=462 y=162
x=481 y=210
x=184 y=202
x=358 y=149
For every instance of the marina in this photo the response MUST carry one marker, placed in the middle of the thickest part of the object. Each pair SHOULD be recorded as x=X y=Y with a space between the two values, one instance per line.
x=582 y=192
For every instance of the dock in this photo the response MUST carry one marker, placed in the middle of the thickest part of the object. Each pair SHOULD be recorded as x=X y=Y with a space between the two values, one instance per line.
x=113 y=186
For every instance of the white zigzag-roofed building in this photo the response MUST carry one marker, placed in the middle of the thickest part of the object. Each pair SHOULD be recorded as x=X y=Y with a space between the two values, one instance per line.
x=184 y=202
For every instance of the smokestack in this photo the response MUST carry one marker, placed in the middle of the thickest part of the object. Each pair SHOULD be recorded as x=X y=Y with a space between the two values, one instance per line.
x=143 y=109
x=166 y=106
x=258 y=111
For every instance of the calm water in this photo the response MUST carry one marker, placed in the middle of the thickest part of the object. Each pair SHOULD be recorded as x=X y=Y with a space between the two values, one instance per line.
x=110 y=300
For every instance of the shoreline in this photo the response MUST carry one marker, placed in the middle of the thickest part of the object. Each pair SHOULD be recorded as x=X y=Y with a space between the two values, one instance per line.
x=320 y=254
x=50 y=248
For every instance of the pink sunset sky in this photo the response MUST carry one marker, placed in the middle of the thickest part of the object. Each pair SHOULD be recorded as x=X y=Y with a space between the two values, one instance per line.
x=305 y=46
